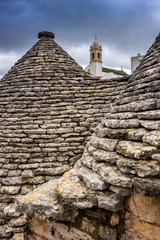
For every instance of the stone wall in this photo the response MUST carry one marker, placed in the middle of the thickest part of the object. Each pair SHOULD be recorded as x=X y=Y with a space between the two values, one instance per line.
x=138 y=221
x=98 y=198
x=46 y=136
x=120 y=161
x=49 y=108
x=142 y=220
x=89 y=224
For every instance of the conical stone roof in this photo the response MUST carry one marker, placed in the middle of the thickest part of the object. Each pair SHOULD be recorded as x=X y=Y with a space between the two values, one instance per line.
x=123 y=154
x=45 y=59
x=35 y=104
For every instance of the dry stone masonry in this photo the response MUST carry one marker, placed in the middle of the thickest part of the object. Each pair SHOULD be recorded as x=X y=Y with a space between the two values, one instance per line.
x=110 y=192
x=48 y=109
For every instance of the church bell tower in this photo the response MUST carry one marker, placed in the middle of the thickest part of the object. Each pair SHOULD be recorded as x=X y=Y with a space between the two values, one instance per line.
x=96 y=58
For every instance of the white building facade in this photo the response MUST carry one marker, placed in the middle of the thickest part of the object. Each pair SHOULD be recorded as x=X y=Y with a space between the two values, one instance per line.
x=95 y=67
x=135 y=61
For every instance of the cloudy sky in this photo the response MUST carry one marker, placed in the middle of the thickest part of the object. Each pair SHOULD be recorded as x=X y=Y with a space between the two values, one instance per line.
x=123 y=27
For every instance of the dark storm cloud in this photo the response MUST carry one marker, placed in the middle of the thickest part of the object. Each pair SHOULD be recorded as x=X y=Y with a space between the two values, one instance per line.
x=126 y=25
x=75 y=19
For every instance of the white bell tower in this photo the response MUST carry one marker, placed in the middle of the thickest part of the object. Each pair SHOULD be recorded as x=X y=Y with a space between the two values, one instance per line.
x=96 y=58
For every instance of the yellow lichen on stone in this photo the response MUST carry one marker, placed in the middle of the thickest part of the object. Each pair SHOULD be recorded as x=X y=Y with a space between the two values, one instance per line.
x=105 y=89
x=35 y=199
x=28 y=200
x=32 y=192
x=71 y=185
x=44 y=191
x=51 y=88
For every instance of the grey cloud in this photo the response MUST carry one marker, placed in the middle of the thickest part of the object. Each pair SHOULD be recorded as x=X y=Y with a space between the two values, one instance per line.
x=125 y=26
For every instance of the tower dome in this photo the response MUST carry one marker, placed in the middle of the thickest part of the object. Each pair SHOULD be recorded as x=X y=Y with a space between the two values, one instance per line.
x=95 y=44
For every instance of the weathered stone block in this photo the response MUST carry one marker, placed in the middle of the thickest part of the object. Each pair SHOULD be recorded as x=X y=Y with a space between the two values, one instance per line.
x=13 y=173
x=10 y=211
x=105 y=232
x=151 y=125
x=135 y=150
x=18 y=236
x=121 y=190
x=17 y=222
x=147 y=186
x=3 y=172
x=88 y=226
x=43 y=230
x=27 y=174
x=114 y=220
x=115 y=123
x=104 y=156
x=156 y=157
x=87 y=160
x=155 y=114
x=92 y=179
x=124 y=115
x=144 y=208
x=153 y=138
x=104 y=143
x=110 y=201
x=139 y=168
x=52 y=171
x=10 y=189
x=135 y=106
x=4 y=233
x=72 y=191
x=111 y=175
x=28 y=166
x=146 y=230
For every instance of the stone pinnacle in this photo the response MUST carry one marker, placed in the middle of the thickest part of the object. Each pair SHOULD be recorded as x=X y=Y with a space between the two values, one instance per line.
x=45 y=34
